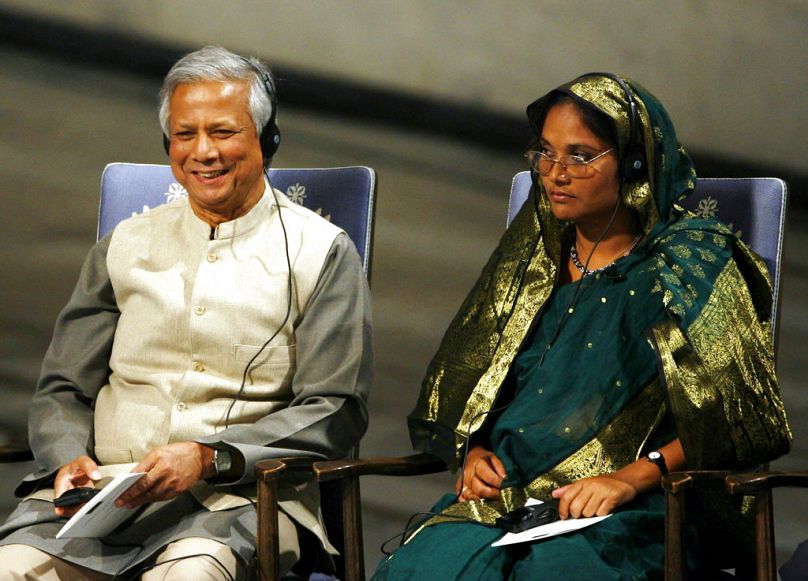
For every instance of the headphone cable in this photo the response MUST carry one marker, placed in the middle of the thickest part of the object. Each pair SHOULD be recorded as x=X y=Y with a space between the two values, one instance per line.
x=288 y=307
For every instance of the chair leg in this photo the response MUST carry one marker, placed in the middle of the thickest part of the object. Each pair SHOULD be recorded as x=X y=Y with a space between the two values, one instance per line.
x=674 y=536
x=354 y=556
x=764 y=537
x=268 y=538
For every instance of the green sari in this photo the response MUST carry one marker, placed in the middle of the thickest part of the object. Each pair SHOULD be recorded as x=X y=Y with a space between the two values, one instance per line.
x=673 y=340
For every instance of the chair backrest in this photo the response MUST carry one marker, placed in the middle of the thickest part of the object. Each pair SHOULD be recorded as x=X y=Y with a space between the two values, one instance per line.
x=344 y=195
x=754 y=208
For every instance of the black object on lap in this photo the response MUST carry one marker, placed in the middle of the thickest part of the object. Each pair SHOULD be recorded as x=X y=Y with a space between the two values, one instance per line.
x=528 y=517
x=75 y=496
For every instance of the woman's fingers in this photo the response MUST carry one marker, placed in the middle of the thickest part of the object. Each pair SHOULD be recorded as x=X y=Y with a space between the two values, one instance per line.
x=485 y=469
x=589 y=497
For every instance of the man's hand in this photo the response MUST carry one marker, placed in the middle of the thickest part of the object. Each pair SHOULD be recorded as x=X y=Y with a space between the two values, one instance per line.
x=597 y=496
x=170 y=470
x=83 y=471
x=482 y=475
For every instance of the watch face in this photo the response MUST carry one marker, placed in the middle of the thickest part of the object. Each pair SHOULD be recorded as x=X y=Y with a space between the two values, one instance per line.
x=654 y=455
x=222 y=461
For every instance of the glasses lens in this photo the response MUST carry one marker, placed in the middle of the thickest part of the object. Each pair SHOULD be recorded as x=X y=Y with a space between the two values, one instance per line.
x=576 y=167
x=571 y=165
x=544 y=165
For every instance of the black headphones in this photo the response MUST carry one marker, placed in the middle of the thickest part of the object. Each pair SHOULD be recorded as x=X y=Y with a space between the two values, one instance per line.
x=634 y=156
x=270 y=136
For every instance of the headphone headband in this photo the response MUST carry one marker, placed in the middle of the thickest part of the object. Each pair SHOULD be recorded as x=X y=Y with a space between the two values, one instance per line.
x=270 y=136
x=633 y=168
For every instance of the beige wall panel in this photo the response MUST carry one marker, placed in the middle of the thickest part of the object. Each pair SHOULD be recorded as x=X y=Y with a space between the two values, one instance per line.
x=733 y=73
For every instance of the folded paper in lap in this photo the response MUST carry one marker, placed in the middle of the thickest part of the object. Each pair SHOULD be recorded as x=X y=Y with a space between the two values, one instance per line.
x=552 y=529
x=100 y=516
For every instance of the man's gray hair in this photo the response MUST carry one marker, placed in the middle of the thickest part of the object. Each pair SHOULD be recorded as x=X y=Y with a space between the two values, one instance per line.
x=214 y=63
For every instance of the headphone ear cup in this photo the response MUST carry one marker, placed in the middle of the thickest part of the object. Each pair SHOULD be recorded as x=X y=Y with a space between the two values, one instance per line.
x=270 y=140
x=634 y=165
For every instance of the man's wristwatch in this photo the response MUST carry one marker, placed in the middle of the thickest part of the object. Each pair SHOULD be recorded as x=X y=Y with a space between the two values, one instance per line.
x=222 y=461
x=657 y=458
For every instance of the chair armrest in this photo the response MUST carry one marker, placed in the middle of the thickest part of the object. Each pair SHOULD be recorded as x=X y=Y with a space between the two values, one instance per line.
x=15 y=451
x=274 y=468
x=414 y=465
x=752 y=482
x=676 y=482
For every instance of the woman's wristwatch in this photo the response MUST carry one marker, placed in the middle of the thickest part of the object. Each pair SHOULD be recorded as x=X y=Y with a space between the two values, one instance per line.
x=657 y=458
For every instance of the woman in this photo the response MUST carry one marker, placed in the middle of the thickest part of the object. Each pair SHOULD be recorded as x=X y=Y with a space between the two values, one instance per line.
x=594 y=353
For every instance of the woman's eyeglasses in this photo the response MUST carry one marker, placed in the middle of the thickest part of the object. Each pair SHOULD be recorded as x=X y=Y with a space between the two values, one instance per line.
x=573 y=166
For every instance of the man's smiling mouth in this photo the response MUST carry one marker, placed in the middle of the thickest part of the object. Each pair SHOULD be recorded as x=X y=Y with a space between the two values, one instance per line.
x=209 y=175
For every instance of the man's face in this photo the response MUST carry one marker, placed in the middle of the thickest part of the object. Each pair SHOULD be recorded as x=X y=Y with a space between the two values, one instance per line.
x=214 y=151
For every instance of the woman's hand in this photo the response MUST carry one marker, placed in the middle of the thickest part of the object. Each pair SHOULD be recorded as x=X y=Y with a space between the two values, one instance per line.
x=600 y=495
x=482 y=475
x=597 y=496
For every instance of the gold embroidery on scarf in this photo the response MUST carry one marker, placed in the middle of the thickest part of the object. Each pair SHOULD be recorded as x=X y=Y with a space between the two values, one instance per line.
x=697 y=271
x=607 y=96
x=670 y=278
x=682 y=251
x=692 y=293
x=721 y=382
x=536 y=288
x=706 y=255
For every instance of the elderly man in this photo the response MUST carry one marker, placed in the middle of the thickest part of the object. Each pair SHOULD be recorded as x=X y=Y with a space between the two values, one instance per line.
x=202 y=336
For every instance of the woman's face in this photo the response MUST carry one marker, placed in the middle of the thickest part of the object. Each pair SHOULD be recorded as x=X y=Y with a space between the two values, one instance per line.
x=585 y=201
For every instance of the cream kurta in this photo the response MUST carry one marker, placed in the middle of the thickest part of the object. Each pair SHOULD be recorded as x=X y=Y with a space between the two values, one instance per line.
x=194 y=312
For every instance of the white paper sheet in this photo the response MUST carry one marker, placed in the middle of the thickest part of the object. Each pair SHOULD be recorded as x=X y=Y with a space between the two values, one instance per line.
x=100 y=516
x=552 y=529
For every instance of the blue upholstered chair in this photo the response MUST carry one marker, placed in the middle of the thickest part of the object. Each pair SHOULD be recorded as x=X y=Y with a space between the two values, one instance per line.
x=345 y=196
x=756 y=210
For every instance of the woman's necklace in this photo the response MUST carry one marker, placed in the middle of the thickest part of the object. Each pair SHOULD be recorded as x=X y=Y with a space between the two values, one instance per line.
x=576 y=261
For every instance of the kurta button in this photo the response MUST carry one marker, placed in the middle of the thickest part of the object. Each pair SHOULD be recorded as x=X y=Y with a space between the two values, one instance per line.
x=199 y=310
x=199 y=367
x=181 y=406
x=212 y=257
